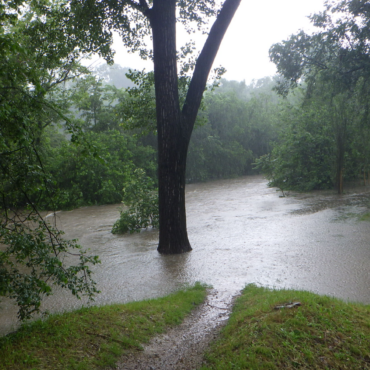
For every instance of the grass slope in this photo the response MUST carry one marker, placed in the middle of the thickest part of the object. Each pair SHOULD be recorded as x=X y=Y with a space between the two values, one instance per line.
x=94 y=338
x=322 y=333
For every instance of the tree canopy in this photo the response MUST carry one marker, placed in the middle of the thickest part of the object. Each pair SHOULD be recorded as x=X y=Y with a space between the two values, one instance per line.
x=339 y=50
x=324 y=140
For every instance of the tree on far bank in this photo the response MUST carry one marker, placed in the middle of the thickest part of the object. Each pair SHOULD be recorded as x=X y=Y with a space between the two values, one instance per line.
x=334 y=63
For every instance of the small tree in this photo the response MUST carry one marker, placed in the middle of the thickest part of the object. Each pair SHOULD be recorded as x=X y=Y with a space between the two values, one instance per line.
x=142 y=203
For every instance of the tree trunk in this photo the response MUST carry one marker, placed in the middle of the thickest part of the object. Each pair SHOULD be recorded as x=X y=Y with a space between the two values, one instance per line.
x=340 y=161
x=172 y=145
x=174 y=126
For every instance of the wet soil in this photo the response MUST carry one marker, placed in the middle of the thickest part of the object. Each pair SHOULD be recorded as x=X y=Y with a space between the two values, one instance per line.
x=183 y=347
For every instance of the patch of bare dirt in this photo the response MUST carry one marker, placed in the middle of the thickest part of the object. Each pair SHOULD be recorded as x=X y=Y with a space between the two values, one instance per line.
x=183 y=347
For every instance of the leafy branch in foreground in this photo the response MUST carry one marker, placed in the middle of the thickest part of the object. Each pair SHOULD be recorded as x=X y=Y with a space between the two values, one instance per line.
x=33 y=262
x=33 y=255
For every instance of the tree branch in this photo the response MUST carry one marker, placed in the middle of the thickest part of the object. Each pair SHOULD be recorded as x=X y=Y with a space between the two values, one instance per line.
x=142 y=6
x=205 y=61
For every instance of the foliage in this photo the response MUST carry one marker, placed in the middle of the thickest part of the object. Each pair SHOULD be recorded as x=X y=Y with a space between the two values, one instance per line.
x=94 y=102
x=32 y=262
x=137 y=107
x=231 y=130
x=33 y=63
x=81 y=179
x=237 y=131
x=333 y=65
x=339 y=50
x=321 y=142
x=304 y=156
x=94 y=171
x=321 y=333
x=256 y=88
x=141 y=198
x=68 y=341
x=230 y=134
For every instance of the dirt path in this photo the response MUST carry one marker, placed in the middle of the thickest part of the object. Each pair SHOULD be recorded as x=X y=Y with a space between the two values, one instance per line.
x=183 y=347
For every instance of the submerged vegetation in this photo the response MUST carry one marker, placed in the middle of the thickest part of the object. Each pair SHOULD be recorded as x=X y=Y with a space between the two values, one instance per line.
x=320 y=333
x=142 y=203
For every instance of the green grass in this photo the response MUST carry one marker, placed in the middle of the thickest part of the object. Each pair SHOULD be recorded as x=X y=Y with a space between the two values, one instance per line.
x=323 y=333
x=364 y=217
x=94 y=338
x=353 y=216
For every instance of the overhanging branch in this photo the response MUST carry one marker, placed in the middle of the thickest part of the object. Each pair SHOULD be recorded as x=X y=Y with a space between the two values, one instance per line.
x=205 y=62
x=142 y=6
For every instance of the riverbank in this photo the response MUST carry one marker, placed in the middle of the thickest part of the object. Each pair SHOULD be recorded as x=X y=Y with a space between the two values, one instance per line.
x=289 y=329
x=268 y=329
x=95 y=337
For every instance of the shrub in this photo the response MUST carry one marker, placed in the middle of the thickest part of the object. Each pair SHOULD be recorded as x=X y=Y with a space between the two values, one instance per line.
x=141 y=198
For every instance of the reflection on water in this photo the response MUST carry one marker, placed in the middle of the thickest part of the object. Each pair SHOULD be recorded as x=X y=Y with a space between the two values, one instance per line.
x=241 y=232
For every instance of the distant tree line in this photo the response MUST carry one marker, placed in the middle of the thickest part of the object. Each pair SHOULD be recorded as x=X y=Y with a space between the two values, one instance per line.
x=236 y=126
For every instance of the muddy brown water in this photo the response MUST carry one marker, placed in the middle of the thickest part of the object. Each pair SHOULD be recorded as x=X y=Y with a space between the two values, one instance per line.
x=241 y=232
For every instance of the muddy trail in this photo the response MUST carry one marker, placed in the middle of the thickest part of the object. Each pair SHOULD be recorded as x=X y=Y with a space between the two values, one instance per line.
x=241 y=232
x=183 y=347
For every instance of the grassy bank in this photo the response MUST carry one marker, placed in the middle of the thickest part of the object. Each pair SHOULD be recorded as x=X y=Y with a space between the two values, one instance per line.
x=322 y=333
x=93 y=338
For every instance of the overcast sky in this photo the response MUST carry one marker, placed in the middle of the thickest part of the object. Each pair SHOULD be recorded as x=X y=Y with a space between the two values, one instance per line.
x=256 y=26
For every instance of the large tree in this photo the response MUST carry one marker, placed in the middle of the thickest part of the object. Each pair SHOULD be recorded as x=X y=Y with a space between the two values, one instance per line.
x=92 y=21
x=338 y=49
x=334 y=61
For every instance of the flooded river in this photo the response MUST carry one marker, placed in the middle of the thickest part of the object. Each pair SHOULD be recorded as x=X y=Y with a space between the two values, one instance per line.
x=241 y=232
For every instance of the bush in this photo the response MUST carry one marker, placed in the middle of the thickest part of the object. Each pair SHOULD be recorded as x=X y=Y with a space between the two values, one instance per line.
x=84 y=179
x=142 y=199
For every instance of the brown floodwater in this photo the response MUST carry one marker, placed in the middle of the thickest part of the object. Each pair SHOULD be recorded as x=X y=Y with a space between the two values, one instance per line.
x=241 y=232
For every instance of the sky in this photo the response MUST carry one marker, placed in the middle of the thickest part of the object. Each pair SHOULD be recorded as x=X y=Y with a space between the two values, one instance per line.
x=256 y=26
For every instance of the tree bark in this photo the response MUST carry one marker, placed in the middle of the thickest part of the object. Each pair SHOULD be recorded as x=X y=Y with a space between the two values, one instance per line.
x=174 y=126
x=341 y=145
x=172 y=149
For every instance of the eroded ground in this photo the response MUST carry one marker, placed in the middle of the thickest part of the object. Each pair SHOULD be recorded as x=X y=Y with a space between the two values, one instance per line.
x=183 y=347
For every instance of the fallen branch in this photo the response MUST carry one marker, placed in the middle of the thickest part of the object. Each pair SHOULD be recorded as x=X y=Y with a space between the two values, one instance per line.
x=220 y=308
x=288 y=305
